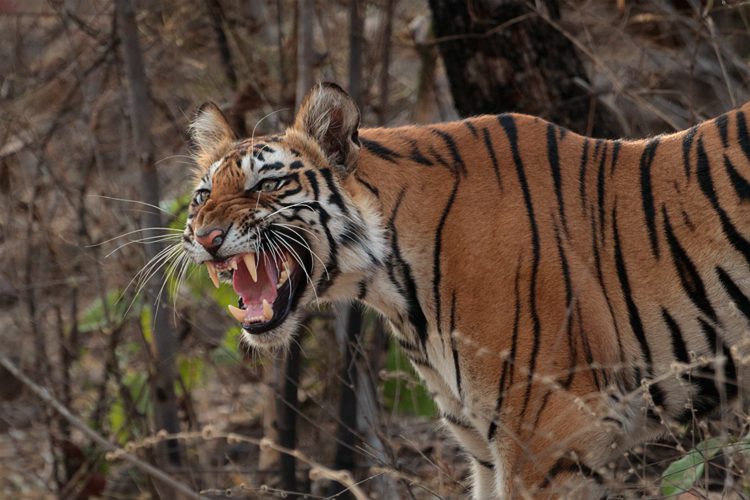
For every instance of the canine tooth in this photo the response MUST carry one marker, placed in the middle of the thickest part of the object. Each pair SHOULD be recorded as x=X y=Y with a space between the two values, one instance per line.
x=282 y=278
x=239 y=314
x=212 y=274
x=249 y=259
x=267 y=311
x=233 y=264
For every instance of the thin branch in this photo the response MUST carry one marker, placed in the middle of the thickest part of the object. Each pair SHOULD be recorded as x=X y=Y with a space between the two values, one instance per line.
x=44 y=394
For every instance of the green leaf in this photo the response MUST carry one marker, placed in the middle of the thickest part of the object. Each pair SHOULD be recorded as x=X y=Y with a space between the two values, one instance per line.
x=403 y=391
x=116 y=418
x=93 y=318
x=226 y=353
x=146 y=323
x=192 y=372
x=683 y=473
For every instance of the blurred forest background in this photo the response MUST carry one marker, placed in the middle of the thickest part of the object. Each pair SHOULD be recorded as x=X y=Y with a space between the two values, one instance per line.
x=105 y=391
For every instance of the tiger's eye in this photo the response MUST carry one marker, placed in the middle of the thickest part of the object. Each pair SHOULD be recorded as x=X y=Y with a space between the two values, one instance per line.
x=201 y=196
x=268 y=186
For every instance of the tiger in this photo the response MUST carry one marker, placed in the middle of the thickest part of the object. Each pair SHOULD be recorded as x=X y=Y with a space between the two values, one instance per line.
x=562 y=297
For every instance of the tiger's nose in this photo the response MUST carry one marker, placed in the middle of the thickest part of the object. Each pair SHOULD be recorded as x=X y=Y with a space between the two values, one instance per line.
x=210 y=238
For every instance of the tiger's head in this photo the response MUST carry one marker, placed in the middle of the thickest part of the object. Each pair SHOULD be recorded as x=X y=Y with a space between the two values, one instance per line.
x=272 y=216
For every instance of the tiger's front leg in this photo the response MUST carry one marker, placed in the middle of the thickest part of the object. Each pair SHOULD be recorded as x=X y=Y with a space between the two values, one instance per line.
x=474 y=444
x=482 y=463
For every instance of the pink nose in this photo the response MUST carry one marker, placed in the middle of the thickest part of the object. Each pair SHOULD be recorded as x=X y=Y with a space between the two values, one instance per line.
x=210 y=238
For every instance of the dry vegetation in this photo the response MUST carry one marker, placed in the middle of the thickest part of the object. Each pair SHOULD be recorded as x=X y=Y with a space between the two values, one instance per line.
x=70 y=192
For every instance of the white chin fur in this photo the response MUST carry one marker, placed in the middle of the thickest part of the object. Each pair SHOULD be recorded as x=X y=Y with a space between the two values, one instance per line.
x=272 y=340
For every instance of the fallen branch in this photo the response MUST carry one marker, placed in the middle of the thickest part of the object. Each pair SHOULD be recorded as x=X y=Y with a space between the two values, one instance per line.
x=44 y=394
x=317 y=470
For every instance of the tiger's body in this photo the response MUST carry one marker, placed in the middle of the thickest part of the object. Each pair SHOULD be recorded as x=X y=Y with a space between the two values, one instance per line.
x=561 y=296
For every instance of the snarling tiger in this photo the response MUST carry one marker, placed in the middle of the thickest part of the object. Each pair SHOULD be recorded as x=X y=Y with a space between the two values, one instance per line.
x=561 y=296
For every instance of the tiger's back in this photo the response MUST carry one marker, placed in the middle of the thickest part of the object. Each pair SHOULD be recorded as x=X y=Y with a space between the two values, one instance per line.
x=561 y=268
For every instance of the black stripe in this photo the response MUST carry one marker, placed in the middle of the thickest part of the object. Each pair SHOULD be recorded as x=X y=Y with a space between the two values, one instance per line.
x=616 y=145
x=707 y=186
x=582 y=173
x=438 y=158
x=569 y=323
x=647 y=195
x=335 y=196
x=408 y=346
x=362 y=287
x=509 y=125
x=688 y=222
x=366 y=184
x=277 y=165
x=420 y=361
x=409 y=289
x=735 y=292
x=458 y=162
x=310 y=174
x=458 y=422
x=569 y=304
x=687 y=143
x=721 y=125
x=600 y=278
x=290 y=192
x=730 y=371
x=600 y=192
x=436 y=273
x=742 y=136
x=493 y=158
x=327 y=278
x=510 y=359
x=680 y=352
x=740 y=184
x=554 y=163
x=416 y=156
x=587 y=348
x=633 y=315
x=456 y=364
x=354 y=234
x=679 y=348
x=483 y=463
x=688 y=273
x=380 y=151
x=567 y=465
x=471 y=128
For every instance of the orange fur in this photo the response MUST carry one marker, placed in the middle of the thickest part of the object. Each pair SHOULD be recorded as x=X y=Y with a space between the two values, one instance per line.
x=556 y=275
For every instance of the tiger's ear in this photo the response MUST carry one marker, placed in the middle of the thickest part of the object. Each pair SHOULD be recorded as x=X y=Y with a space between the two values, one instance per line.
x=211 y=134
x=329 y=116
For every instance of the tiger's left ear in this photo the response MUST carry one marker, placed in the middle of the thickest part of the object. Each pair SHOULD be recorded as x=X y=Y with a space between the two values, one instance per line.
x=329 y=116
x=211 y=134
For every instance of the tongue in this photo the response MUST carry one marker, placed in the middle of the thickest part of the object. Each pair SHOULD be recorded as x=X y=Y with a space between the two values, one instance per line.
x=253 y=293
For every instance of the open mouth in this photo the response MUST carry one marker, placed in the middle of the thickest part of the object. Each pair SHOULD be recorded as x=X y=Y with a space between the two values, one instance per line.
x=268 y=286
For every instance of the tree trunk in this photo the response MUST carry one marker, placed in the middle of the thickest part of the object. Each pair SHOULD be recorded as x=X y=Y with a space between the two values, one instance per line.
x=356 y=40
x=165 y=404
x=216 y=14
x=305 y=20
x=503 y=56
x=348 y=332
x=385 y=62
x=287 y=409
x=286 y=398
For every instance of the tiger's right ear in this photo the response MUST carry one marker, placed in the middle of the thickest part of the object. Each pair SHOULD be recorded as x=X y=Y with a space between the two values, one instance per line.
x=211 y=134
x=329 y=116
